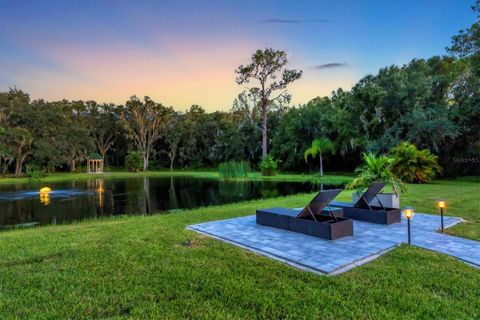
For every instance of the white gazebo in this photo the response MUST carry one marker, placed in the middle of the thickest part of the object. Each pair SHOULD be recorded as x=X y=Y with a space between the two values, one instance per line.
x=95 y=163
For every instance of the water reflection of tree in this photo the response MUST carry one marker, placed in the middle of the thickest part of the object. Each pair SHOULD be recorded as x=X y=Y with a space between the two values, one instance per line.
x=172 y=195
x=16 y=212
x=146 y=195
x=141 y=195
x=234 y=190
x=188 y=195
x=268 y=189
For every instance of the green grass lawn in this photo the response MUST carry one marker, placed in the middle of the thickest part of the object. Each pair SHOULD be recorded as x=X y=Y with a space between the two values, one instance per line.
x=463 y=200
x=137 y=267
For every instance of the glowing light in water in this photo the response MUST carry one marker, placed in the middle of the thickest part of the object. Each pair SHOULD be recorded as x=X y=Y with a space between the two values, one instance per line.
x=45 y=195
x=45 y=190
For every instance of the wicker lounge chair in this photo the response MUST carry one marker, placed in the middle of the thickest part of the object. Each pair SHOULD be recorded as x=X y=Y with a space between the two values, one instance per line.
x=364 y=211
x=316 y=219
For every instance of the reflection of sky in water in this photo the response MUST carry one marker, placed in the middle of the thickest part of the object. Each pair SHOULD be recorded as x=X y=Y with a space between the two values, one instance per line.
x=55 y=194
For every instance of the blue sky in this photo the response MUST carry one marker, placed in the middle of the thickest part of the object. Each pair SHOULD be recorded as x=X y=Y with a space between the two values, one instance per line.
x=185 y=52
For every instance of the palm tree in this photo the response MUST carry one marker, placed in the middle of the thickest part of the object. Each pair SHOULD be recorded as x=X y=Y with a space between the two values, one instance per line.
x=376 y=168
x=413 y=165
x=319 y=146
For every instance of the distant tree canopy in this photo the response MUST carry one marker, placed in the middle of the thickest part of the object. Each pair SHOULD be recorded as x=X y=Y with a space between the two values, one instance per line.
x=434 y=104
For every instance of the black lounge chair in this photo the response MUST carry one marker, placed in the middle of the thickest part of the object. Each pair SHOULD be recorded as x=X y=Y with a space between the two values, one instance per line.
x=362 y=210
x=316 y=219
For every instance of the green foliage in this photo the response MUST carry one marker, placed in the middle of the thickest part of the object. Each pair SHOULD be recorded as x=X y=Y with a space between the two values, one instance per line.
x=467 y=42
x=413 y=165
x=376 y=168
x=432 y=103
x=320 y=147
x=267 y=69
x=95 y=156
x=268 y=166
x=104 y=127
x=35 y=171
x=134 y=161
x=233 y=170
x=80 y=169
x=144 y=122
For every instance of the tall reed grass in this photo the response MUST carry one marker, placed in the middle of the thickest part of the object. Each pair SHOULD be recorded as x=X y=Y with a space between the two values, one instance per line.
x=233 y=170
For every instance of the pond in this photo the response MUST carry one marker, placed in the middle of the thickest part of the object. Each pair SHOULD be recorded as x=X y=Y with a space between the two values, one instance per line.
x=23 y=204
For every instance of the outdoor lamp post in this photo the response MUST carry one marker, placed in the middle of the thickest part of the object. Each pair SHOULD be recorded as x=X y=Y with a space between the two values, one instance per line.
x=442 y=204
x=408 y=214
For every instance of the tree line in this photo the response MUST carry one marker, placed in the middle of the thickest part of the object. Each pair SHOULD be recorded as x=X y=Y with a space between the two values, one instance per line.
x=432 y=103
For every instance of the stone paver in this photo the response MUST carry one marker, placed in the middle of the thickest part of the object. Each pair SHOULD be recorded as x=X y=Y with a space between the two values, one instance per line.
x=332 y=257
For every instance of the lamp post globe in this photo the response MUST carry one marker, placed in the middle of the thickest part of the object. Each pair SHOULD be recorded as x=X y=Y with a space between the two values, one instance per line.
x=408 y=213
x=441 y=204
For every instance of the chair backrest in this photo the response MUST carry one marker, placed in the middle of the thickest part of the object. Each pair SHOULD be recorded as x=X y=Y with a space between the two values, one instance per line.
x=370 y=194
x=321 y=200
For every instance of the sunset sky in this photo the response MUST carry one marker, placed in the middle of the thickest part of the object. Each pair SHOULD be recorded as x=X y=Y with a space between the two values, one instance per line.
x=185 y=52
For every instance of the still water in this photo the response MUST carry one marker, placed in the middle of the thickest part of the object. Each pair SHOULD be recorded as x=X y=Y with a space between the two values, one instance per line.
x=77 y=200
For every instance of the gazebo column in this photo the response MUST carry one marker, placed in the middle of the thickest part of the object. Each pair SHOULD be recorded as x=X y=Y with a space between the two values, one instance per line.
x=95 y=166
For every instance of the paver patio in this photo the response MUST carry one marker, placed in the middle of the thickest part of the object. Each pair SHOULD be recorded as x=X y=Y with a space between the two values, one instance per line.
x=333 y=257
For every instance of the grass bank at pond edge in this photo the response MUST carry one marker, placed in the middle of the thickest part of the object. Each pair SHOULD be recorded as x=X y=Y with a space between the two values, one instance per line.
x=59 y=177
x=138 y=266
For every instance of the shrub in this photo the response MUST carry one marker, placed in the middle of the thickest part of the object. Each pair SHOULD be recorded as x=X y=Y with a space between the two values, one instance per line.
x=413 y=165
x=233 y=170
x=35 y=172
x=375 y=169
x=268 y=166
x=134 y=161
x=79 y=169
